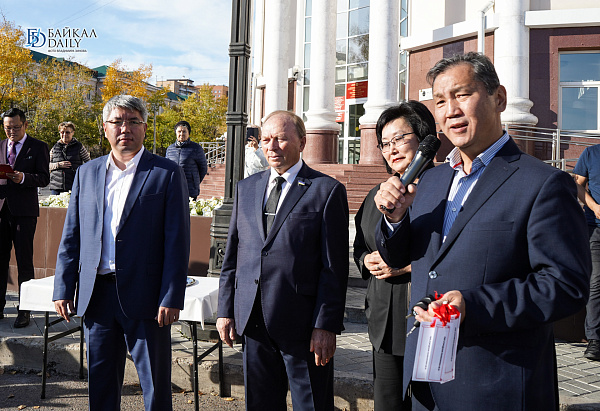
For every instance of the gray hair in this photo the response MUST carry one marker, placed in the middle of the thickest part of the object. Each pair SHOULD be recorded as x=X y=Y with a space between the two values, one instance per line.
x=127 y=102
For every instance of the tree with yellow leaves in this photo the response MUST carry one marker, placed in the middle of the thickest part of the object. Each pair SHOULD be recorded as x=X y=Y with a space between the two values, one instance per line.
x=15 y=64
x=120 y=80
x=205 y=113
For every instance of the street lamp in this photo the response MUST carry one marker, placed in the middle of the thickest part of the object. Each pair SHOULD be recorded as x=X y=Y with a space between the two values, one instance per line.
x=237 y=119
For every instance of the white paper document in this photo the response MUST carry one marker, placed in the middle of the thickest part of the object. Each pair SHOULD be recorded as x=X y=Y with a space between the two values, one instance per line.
x=436 y=351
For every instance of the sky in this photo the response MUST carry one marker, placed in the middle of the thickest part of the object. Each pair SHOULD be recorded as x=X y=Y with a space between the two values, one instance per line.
x=180 y=38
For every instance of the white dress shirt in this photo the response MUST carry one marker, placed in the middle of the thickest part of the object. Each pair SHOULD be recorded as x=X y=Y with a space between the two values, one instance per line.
x=116 y=188
x=289 y=176
x=18 y=149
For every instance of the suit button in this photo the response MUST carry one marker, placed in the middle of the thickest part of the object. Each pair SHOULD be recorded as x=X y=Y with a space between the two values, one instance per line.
x=433 y=274
x=264 y=253
x=256 y=281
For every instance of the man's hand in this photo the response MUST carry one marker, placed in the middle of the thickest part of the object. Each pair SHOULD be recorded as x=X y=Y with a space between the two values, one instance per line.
x=167 y=316
x=15 y=177
x=393 y=195
x=63 y=308
x=226 y=328
x=454 y=298
x=322 y=343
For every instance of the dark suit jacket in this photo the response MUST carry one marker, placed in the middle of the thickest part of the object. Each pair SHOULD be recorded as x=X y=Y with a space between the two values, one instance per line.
x=302 y=265
x=518 y=252
x=33 y=160
x=386 y=302
x=153 y=240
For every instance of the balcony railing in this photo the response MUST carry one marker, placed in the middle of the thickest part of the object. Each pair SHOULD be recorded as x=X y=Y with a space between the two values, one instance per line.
x=214 y=151
x=556 y=141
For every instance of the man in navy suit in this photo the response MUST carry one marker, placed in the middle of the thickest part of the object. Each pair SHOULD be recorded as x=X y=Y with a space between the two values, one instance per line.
x=19 y=208
x=123 y=259
x=285 y=272
x=501 y=235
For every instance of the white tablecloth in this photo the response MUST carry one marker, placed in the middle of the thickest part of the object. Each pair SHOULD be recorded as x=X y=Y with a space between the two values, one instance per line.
x=200 y=298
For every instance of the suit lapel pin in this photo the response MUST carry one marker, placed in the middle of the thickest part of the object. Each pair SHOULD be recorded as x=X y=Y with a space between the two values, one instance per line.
x=301 y=183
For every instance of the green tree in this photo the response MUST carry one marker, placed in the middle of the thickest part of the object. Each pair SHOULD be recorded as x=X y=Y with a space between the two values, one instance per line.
x=15 y=63
x=205 y=113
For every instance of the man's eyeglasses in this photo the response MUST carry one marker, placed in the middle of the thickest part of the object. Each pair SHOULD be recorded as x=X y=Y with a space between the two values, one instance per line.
x=395 y=141
x=121 y=123
x=9 y=129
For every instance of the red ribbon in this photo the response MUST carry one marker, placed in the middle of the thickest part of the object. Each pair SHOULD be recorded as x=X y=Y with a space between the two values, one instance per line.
x=444 y=312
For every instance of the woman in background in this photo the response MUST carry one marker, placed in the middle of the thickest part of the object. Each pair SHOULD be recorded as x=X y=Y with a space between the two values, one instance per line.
x=399 y=131
x=65 y=157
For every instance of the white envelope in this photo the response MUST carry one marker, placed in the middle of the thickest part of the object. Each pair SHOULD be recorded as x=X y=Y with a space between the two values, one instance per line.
x=436 y=351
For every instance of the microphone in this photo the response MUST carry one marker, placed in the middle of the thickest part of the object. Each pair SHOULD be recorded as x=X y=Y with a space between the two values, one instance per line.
x=425 y=154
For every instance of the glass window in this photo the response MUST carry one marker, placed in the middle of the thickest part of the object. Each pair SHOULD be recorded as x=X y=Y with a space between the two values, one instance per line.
x=306 y=77
x=307 y=22
x=355 y=111
x=580 y=67
x=342 y=26
x=305 y=99
x=358 y=49
x=358 y=72
x=340 y=91
x=308 y=9
x=307 y=55
x=358 y=3
x=340 y=52
x=358 y=22
x=402 y=61
x=340 y=74
x=579 y=108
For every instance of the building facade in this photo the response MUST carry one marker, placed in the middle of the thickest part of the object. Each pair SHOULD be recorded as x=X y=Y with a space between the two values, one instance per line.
x=340 y=63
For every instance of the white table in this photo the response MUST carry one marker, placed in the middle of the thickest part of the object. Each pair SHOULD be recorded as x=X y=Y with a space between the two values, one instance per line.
x=200 y=304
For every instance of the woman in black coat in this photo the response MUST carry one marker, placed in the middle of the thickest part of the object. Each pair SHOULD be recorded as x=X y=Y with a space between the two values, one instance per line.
x=399 y=131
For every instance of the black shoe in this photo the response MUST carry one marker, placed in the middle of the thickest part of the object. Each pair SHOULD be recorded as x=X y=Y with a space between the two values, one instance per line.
x=592 y=352
x=23 y=320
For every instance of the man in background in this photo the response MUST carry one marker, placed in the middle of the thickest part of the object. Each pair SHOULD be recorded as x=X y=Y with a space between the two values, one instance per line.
x=190 y=156
x=19 y=208
x=587 y=177
x=284 y=274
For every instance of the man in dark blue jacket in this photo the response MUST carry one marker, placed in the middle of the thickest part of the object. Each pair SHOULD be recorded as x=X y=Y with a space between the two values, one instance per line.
x=190 y=156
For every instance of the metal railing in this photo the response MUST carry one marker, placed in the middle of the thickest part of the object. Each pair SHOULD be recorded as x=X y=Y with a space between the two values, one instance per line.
x=214 y=151
x=555 y=142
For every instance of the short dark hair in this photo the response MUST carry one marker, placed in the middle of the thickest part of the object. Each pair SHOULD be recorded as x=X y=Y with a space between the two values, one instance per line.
x=483 y=68
x=13 y=112
x=414 y=113
x=185 y=124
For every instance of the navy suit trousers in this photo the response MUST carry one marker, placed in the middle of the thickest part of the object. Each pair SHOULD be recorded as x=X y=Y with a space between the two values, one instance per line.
x=268 y=369
x=109 y=334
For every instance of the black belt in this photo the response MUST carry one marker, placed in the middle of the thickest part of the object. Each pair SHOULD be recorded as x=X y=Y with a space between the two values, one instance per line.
x=107 y=277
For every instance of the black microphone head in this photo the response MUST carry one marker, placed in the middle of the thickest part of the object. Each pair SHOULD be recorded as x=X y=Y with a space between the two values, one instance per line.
x=429 y=146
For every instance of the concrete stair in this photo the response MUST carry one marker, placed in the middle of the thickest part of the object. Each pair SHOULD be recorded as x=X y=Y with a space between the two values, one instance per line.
x=357 y=178
x=213 y=184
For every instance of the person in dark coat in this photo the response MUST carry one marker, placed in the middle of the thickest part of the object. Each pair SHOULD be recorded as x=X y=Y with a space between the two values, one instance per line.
x=399 y=130
x=190 y=156
x=65 y=157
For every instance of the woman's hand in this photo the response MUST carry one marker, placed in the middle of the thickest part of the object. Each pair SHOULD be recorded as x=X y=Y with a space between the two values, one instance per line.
x=375 y=264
